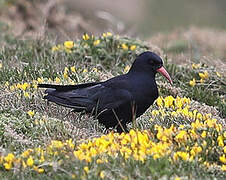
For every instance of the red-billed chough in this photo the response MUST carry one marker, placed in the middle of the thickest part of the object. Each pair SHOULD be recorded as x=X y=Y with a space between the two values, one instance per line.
x=115 y=101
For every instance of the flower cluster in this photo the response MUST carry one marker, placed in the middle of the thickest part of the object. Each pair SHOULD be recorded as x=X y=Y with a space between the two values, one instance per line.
x=94 y=43
x=25 y=88
x=176 y=108
x=135 y=144
x=202 y=142
x=204 y=75
x=67 y=76
x=200 y=138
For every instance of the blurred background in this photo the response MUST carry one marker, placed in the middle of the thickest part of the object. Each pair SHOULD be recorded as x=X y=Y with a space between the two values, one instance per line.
x=69 y=19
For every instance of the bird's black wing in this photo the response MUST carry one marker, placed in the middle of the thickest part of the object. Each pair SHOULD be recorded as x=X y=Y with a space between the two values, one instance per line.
x=88 y=96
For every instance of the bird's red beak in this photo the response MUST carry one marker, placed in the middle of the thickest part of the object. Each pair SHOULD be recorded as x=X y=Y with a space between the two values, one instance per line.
x=163 y=71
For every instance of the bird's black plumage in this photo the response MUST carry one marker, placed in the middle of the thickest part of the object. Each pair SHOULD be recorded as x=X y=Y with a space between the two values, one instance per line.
x=118 y=99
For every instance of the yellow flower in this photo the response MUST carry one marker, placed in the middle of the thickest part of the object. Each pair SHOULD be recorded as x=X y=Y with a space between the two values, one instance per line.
x=96 y=42
x=195 y=66
x=107 y=34
x=218 y=74
x=31 y=113
x=133 y=47
x=183 y=155
x=25 y=86
x=99 y=161
x=73 y=176
x=24 y=164
x=12 y=88
x=69 y=44
x=71 y=82
x=40 y=80
x=66 y=69
x=204 y=144
x=54 y=48
x=70 y=143
x=169 y=101
x=219 y=127
x=68 y=50
x=199 y=116
x=126 y=69
x=220 y=141
x=181 y=136
x=40 y=170
x=192 y=82
x=176 y=178
x=211 y=122
x=174 y=114
x=204 y=75
x=73 y=69
x=86 y=169
x=57 y=80
x=42 y=159
x=104 y=35
x=124 y=46
x=18 y=86
x=95 y=69
x=201 y=81
x=9 y=158
x=195 y=150
x=155 y=112
x=85 y=70
x=30 y=161
x=35 y=86
x=8 y=166
x=223 y=167
x=26 y=95
x=222 y=159
x=159 y=101
x=85 y=37
x=102 y=174
x=93 y=151
x=57 y=144
x=6 y=83
x=65 y=75
x=203 y=134
x=0 y=65
x=1 y=159
x=206 y=164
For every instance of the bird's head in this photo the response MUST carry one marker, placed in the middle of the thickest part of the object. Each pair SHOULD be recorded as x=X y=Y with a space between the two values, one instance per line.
x=150 y=62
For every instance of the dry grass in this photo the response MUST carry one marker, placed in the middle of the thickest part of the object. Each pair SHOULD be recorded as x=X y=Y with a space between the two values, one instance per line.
x=194 y=45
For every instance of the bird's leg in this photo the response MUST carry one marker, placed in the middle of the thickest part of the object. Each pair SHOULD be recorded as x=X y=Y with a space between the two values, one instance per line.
x=121 y=127
x=134 y=109
x=94 y=111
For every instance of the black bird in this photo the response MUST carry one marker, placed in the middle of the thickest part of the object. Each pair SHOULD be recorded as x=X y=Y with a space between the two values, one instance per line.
x=118 y=100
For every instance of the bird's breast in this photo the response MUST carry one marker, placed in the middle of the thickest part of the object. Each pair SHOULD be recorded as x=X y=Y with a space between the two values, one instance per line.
x=144 y=95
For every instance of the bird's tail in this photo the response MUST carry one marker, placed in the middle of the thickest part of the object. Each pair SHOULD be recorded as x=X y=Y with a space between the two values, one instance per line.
x=68 y=95
x=67 y=87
